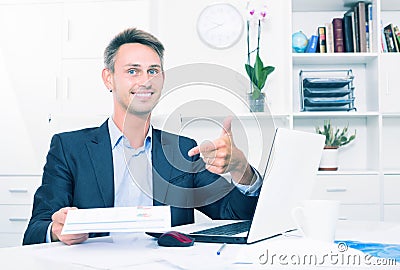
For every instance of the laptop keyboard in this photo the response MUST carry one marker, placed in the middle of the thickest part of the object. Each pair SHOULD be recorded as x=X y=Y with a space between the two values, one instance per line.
x=228 y=229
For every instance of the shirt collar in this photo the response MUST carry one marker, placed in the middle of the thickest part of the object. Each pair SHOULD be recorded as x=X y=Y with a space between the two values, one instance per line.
x=116 y=134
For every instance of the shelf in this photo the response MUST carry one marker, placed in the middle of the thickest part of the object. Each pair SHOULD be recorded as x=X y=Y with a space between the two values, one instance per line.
x=351 y=114
x=242 y=116
x=339 y=172
x=318 y=5
x=391 y=172
x=391 y=115
x=332 y=58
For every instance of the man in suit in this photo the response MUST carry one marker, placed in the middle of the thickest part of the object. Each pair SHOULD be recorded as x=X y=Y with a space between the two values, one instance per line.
x=126 y=162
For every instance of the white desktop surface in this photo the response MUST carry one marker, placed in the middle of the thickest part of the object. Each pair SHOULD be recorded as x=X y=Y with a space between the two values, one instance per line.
x=139 y=251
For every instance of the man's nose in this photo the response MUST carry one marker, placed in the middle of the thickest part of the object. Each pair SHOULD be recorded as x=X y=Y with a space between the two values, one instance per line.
x=145 y=81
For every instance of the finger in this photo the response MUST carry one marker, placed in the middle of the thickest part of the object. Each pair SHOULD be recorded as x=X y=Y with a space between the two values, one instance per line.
x=61 y=214
x=227 y=127
x=194 y=151
x=216 y=169
x=204 y=149
x=75 y=238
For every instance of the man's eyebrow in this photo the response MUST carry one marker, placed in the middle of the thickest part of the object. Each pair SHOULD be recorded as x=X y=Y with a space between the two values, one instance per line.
x=139 y=65
x=155 y=66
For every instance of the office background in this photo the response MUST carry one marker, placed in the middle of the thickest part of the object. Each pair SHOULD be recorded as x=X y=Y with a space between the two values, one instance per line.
x=50 y=69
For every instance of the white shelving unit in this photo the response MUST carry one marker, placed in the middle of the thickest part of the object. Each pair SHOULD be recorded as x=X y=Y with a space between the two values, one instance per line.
x=369 y=169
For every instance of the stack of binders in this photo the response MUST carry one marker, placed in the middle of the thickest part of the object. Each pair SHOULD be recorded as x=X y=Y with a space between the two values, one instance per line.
x=326 y=90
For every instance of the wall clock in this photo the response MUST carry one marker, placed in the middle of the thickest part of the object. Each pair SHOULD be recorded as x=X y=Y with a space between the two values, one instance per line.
x=220 y=25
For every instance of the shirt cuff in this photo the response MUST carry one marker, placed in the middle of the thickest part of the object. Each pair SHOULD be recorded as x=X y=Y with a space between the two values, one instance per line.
x=48 y=234
x=254 y=189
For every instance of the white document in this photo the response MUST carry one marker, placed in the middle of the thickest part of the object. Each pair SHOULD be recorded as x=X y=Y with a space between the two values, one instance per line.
x=118 y=219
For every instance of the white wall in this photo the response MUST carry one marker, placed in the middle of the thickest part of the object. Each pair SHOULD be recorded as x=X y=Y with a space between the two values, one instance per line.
x=48 y=57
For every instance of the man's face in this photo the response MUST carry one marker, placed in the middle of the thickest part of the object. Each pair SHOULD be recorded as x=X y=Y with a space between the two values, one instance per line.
x=137 y=80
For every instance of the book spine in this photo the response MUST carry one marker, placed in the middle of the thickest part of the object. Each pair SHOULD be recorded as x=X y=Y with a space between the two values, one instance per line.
x=396 y=46
x=348 y=33
x=338 y=35
x=383 y=39
x=356 y=30
x=389 y=38
x=362 y=26
x=371 y=28
x=397 y=34
x=322 y=39
x=329 y=38
x=312 y=44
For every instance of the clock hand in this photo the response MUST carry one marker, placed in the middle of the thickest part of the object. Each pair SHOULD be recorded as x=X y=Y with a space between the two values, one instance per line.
x=216 y=26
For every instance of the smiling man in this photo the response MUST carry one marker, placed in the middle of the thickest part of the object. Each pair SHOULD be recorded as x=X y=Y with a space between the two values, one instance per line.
x=126 y=162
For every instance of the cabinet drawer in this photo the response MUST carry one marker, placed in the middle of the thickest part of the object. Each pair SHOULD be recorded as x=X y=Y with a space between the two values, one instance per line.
x=14 y=218
x=18 y=189
x=11 y=239
x=349 y=189
x=391 y=189
x=360 y=212
x=391 y=213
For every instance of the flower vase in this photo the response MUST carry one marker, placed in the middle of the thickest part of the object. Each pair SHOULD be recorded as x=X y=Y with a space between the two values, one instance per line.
x=329 y=159
x=256 y=105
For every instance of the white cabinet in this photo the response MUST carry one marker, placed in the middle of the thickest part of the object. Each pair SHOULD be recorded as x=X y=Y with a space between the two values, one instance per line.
x=30 y=45
x=359 y=194
x=391 y=189
x=87 y=27
x=16 y=199
x=90 y=25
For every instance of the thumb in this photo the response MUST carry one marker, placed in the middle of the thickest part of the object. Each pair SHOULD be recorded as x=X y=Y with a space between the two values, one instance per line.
x=227 y=127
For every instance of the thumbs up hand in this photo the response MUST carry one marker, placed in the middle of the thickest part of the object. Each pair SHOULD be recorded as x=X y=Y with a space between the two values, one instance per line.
x=221 y=156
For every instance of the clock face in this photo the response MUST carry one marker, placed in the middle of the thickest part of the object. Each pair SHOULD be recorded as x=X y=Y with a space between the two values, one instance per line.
x=220 y=25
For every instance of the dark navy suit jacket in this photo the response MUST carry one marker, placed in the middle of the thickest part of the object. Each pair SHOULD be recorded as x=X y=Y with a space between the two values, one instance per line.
x=79 y=172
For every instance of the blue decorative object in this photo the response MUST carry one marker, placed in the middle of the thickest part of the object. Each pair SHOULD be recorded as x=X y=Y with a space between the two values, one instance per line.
x=299 y=42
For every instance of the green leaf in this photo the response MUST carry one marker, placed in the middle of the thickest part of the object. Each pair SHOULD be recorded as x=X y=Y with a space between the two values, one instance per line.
x=258 y=75
x=256 y=93
x=251 y=73
x=258 y=67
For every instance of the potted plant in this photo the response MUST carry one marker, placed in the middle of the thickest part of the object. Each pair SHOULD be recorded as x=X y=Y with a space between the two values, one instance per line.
x=258 y=73
x=334 y=139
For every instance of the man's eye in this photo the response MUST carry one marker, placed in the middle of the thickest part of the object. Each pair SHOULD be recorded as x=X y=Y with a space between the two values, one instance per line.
x=132 y=71
x=153 y=71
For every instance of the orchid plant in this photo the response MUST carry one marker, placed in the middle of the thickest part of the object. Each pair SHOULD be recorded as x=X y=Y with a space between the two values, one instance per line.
x=258 y=73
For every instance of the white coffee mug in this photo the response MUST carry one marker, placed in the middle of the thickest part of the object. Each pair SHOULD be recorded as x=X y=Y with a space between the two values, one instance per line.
x=316 y=219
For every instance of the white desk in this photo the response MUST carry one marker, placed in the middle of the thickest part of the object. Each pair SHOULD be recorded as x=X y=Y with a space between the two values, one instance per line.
x=139 y=251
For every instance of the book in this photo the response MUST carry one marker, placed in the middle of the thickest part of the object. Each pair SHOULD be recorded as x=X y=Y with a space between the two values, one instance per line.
x=362 y=31
x=348 y=31
x=329 y=37
x=396 y=33
x=312 y=44
x=338 y=40
x=356 y=30
x=321 y=39
x=370 y=29
x=390 y=39
x=383 y=39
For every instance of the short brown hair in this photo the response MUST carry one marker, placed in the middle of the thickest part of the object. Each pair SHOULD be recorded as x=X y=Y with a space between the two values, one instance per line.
x=131 y=35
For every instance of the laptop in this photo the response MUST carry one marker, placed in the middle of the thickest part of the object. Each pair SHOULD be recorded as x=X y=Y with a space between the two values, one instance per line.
x=288 y=178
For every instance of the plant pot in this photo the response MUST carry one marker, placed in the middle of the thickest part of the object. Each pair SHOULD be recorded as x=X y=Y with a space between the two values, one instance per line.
x=256 y=105
x=329 y=159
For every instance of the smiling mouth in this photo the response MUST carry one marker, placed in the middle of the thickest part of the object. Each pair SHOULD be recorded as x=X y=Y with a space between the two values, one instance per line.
x=142 y=94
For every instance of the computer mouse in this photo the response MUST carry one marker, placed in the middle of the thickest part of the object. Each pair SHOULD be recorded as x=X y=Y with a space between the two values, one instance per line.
x=175 y=239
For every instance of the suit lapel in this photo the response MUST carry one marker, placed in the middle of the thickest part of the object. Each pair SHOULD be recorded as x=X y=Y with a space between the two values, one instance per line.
x=100 y=153
x=162 y=158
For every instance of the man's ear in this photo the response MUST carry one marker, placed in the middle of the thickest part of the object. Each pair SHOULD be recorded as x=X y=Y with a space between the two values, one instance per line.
x=107 y=78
